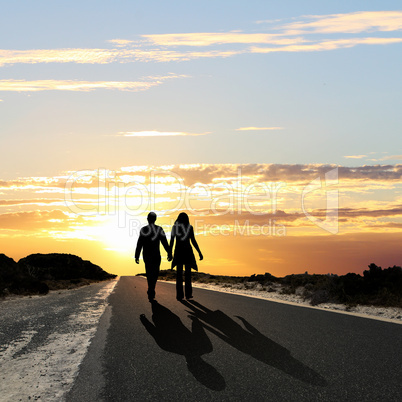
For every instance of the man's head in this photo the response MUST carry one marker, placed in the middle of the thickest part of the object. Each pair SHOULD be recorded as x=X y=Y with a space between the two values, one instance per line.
x=151 y=217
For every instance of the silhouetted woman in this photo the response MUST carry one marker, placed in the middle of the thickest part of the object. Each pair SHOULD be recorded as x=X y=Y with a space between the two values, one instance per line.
x=183 y=233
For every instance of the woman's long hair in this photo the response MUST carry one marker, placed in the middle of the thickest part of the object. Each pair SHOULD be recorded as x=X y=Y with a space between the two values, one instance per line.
x=182 y=225
x=183 y=219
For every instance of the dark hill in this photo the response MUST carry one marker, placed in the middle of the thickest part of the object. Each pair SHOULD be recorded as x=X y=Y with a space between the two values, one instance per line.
x=9 y=270
x=38 y=273
x=62 y=266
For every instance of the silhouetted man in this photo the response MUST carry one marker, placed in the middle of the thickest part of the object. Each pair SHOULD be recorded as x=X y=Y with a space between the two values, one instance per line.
x=150 y=238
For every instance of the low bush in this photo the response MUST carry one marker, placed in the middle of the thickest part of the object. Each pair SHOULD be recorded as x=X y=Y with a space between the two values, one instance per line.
x=377 y=286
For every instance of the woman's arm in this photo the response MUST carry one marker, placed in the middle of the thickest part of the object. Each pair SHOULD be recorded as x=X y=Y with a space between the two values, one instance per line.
x=195 y=244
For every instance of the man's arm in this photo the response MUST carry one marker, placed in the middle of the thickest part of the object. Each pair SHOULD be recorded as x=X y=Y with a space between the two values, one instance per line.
x=139 y=248
x=165 y=244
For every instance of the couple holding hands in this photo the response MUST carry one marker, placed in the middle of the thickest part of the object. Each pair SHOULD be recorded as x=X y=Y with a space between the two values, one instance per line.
x=150 y=238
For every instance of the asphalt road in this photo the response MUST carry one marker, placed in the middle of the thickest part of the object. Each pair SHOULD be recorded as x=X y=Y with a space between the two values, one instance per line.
x=229 y=347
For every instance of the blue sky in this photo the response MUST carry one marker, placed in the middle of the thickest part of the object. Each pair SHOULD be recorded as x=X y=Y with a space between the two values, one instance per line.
x=327 y=104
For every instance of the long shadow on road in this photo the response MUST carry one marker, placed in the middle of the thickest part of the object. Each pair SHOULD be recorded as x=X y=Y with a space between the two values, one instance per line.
x=253 y=343
x=173 y=336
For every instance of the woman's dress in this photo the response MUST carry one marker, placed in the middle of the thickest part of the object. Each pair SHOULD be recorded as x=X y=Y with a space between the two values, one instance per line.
x=183 y=252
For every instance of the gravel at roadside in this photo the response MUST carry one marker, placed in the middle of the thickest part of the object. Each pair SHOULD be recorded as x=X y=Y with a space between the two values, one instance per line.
x=43 y=340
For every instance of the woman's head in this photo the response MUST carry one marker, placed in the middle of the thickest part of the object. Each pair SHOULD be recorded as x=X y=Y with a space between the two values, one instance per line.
x=183 y=219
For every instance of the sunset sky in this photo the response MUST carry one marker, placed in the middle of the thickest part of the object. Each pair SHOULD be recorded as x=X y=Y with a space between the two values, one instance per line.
x=275 y=125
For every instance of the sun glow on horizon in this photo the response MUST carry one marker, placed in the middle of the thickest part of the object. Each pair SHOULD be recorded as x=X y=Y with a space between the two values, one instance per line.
x=118 y=239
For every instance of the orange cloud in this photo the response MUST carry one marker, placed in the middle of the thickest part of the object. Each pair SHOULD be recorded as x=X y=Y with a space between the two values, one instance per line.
x=36 y=201
x=233 y=238
x=290 y=218
x=286 y=255
x=300 y=174
x=36 y=220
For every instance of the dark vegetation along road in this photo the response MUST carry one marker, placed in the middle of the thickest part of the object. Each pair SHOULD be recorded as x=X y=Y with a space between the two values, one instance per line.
x=39 y=273
x=376 y=287
x=230 y=347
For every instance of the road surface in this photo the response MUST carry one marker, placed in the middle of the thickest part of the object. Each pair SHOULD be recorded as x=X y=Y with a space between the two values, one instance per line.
x=230 y=347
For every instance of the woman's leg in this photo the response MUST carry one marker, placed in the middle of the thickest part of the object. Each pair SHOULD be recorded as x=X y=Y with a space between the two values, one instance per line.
x=187 y=280
x=179 y=282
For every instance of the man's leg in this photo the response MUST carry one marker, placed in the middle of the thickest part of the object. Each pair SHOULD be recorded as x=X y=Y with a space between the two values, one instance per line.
x=187 y=283
x=148 y=271
x=179 y=282
x=155 y=275
x=152 y=271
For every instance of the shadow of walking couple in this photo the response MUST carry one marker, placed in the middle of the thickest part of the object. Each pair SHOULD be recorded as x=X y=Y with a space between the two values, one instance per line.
x=173 y=336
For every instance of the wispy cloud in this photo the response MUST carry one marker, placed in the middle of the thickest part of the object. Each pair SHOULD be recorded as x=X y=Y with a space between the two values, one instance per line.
x=304 y=34
x=357 y=22
x=258 y=128
x=198 y=39
x=33 y=56
x=36 y=220
x=158 y=133
x=392 y=157
x=72 y=85
x=294 y=37
x=37 y=201
x=207 y=173
x=355 y=156
x=46 y=214
x=120 y=42
x=327 y=45
x=106 y=56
